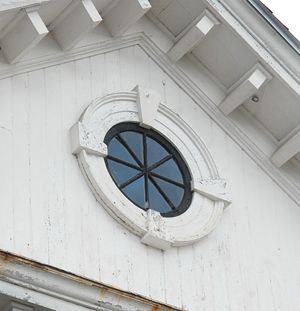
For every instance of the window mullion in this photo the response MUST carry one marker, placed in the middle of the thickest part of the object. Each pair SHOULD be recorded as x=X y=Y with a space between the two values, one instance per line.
x=123 y=142
x=162 y=193
x=131 y=180
x=145 y=152
x=166 y=179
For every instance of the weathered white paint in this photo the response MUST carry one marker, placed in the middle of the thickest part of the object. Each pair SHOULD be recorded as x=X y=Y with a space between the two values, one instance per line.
x=84 y=139
x=16 y=306
x=23 y=33
x=148 y=102
x=49 y=213
x=193 y=37
x=246 y=131
x=6 y=5
x=123 y=14
x=213 y=189
x=146 y=107
x=244 y=89
x=286 y=74
x=80 y=17
x=288 y=150
x=45 y=288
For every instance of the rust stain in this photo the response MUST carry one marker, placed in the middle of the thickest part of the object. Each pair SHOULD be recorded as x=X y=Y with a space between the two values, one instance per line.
x=6 y=257
x=102 y=293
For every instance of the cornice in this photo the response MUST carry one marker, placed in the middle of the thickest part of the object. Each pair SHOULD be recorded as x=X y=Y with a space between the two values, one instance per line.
x=56 y=289
x=257 y=44
x=182 y=79
x=68 y=56
x=191 y=88
x=7 y=5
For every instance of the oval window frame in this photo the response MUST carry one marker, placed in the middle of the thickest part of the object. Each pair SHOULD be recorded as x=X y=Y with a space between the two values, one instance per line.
x=146 y=107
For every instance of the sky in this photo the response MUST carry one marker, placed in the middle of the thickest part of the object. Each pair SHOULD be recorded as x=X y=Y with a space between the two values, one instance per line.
x=287 y=12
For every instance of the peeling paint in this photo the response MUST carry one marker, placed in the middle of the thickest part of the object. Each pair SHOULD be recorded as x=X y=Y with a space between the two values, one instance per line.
x=12 y=260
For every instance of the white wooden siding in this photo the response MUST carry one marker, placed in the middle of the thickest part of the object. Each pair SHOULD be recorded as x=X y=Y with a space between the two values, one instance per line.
x=48 y=213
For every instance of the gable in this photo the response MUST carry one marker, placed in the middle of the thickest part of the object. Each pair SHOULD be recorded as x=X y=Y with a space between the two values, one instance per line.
x=215 y=67
x=52 y=217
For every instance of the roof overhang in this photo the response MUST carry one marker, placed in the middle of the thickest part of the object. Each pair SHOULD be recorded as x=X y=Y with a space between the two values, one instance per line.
x=227 y=57
x=276 y=24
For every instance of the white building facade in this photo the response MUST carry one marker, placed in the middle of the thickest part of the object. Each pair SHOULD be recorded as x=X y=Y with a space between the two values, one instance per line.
x=215 y=79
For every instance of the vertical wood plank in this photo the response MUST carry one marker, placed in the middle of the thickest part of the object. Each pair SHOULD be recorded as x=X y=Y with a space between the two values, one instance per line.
x=21 y=167
x=55 y=178
x=172 y=276
x=6 y=191
x=6 y=164
x=98 y=76
x=6 y=104
x=173 y=290
x=127 y=69
x=121 y=244
x=112 y=64
x=84 y=229
x=38 y=168
x=74 y=181
x=187 y=266
x=6 y=188
x=105 y=228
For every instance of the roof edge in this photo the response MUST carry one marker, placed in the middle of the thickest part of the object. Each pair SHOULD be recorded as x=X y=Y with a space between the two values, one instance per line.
x=276 y=24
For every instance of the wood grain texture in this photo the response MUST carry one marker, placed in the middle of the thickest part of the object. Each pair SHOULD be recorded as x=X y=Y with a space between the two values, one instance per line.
x=48 y=213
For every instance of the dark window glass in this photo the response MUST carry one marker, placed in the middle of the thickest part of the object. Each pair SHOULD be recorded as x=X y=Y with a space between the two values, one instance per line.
x=169 y=169
x=148 y=169
x=135 y=142
x=121 y=172
x=174 y=192
x=118 y=150
x=155 y=152
x=156 y=200
x=136 y=191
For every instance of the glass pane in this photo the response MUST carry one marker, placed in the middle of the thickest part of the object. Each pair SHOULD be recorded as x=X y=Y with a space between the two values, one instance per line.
x=156 y=200
x=170 y=170
x=136 y=192
x=135 y=142
x=121 y=172
x=174 y=193
x=117 y=150
x=155 y=151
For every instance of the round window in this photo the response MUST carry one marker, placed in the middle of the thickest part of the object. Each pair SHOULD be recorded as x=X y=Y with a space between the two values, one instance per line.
x=148 y=169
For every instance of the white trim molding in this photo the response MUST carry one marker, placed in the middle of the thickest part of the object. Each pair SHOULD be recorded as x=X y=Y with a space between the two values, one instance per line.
x=245 y=88
x=194 y=36
x=224 y=12
x=80 y=17
x=22 y=34
x=148 y=103
x=16 y=306
x=88 y=136
x=287 y=150
x=213 y=189
x=179 y=76
x=123 y=14
x=40 y=285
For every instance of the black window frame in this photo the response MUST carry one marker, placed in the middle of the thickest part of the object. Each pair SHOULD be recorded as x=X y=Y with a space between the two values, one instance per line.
x=174 y=154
